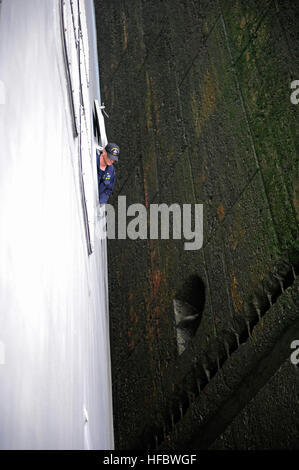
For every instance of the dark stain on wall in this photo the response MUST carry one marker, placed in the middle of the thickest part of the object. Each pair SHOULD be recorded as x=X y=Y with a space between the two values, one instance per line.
x=198 y=94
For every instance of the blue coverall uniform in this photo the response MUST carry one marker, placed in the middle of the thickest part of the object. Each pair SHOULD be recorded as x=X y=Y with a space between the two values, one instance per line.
x=106 y=180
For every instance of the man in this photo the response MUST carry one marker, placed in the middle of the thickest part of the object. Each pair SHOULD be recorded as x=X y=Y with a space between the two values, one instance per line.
x=106 y=173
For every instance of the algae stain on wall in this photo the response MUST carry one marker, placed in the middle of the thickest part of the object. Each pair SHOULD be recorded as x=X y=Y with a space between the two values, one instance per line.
x=203 y=111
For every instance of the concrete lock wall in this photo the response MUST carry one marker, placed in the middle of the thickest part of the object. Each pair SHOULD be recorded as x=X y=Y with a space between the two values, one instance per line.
x=198 y=94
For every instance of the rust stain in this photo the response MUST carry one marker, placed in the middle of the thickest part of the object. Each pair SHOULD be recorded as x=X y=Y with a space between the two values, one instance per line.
x=232 y=240
x=220 y=211
x=146 y=197
x=148 y=100
x=156 y=110
x=206 y=27
x=131 y=345
x=239 y=40
x=238 y=302
x=150 y=335
x=123 y=16
x=237 y=232
x=243 y=22
x=208 y=100
x=296 y=199
x=154 y=302
x=132 y=312
x=254 y=94
x=255 y=276
x=152 y=251
x=208 y=96
x=195 y=112
x=157 y=275
x=151 y=105
x=261 y=276
x=170 y=153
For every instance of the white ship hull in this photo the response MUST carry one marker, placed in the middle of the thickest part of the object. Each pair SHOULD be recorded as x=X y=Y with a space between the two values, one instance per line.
x=55 y=381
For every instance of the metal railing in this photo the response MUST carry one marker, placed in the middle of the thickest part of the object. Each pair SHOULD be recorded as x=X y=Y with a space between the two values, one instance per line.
x=76 y=55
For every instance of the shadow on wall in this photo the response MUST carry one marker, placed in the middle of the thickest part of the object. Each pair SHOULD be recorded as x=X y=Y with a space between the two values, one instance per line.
x=188 y=305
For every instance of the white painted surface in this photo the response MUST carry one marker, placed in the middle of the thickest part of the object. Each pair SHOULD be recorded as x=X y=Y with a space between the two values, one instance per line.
x=54 y=320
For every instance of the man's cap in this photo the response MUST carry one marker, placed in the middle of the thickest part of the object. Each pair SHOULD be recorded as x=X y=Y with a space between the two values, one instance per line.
x=113 y=151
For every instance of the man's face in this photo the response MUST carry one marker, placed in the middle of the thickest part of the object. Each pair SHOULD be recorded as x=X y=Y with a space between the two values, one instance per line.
x=107 y=160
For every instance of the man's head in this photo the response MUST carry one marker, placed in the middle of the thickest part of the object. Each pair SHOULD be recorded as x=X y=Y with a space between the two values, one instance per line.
x=111 y=153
